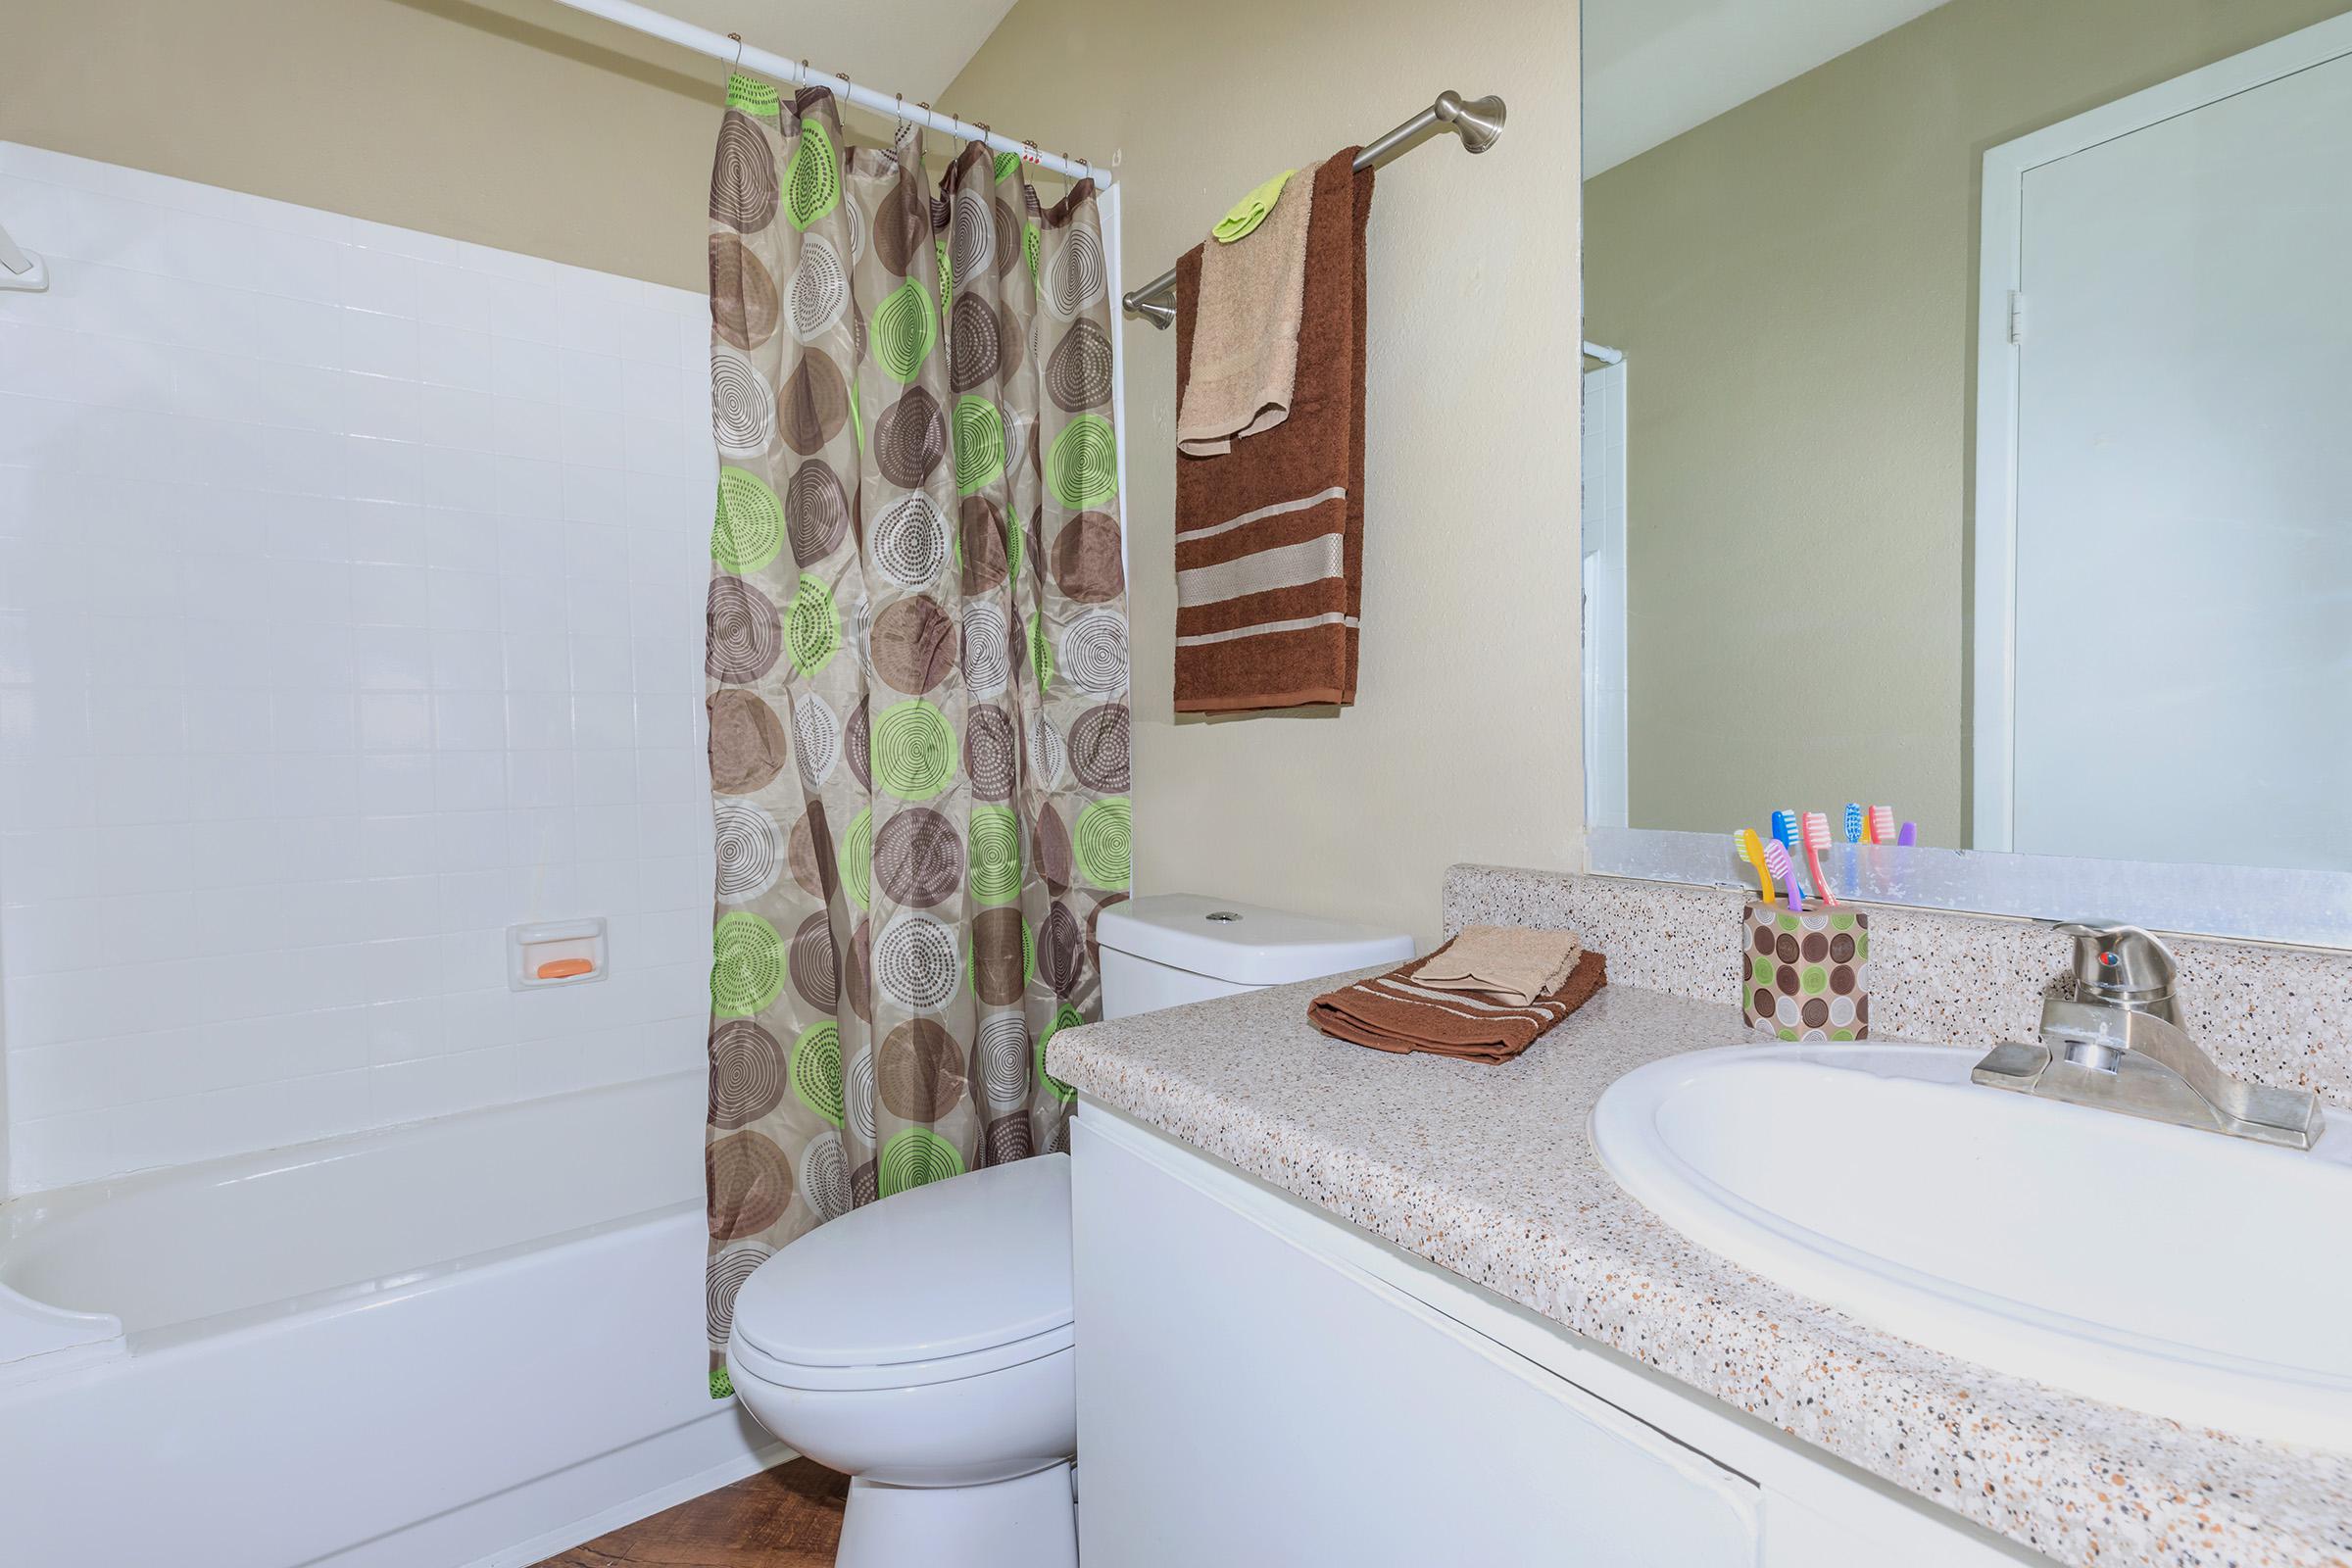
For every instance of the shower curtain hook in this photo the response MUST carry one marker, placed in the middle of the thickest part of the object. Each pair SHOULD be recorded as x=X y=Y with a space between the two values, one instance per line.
x=738 y=65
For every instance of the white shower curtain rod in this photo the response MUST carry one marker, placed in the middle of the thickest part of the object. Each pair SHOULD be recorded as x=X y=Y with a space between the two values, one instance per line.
x=719 y=46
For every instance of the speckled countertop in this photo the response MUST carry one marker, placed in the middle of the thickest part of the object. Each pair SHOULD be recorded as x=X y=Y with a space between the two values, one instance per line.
x=1487 y=1171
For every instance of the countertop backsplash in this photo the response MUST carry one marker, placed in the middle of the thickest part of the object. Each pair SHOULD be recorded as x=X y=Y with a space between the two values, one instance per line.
x=2278 y=1015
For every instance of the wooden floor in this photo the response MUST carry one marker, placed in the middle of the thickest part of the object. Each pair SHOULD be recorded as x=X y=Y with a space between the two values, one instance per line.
x=788 y=1517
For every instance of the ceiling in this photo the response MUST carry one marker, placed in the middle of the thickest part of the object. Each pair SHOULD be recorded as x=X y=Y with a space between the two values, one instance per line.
x=913 y=47
x=1653 y=68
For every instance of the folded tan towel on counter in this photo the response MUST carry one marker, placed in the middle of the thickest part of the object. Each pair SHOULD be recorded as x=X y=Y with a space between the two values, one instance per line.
x=1270 y=535
x=1513 y=963
x=1392 y=1012
x=1244 y=350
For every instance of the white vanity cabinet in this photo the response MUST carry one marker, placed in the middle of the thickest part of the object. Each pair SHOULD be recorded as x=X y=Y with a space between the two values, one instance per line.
x=1259 y=1383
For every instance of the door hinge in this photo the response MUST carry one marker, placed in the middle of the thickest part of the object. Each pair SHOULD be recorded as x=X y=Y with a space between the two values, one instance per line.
x=2017 y=315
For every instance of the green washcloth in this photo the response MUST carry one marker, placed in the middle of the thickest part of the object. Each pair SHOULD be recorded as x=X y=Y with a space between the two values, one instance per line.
x=1251 y=209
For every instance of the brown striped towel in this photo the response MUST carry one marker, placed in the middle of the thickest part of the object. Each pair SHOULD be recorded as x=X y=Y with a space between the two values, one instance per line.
x=1390 y=1012
x=1270 y=535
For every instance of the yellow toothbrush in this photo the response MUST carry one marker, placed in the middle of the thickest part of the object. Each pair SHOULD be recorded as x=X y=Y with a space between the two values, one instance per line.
x=1751 y=850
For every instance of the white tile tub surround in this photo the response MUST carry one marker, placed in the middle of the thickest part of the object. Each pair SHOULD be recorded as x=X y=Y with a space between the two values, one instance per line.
x=351 y=589
x=2276 y=1015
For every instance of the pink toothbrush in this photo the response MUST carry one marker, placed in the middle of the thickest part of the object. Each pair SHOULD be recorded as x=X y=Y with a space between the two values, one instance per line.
x=1817 y=838
x=1882 y=824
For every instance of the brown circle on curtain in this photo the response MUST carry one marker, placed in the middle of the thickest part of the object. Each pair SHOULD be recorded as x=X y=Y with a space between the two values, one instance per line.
x=747 y=1184
x=1099 y=749
x=865 y=1185
x=816 y=511
x=747 y=742
x=743 y=180
x=1078 y=372
x=991 y=756
x=910 y=438
x=1049 y=842
x=743 y=297
x=915 y=644
x=972 y=343
x=857 y=741
x=1093 y=923
x=747 y=1074
x=810 y=853
x=1063 y=959
x=918 y=857
x=998 y=970
x=903 y=227
x=1010 y=338
x=980 y=540
x=1086 y=558
x=815 y=966
x=857 y=975
x=744 y=634
x=1008 y=238
x=920 y=1072
x=723 y=1281
x=1008 y=1139
x=816 y=403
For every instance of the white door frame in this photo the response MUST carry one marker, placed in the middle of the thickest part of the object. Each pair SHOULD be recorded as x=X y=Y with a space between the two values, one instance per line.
x=1999 y=276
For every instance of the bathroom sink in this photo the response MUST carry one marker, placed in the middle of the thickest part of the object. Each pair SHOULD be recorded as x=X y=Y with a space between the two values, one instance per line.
x=2181 y=1273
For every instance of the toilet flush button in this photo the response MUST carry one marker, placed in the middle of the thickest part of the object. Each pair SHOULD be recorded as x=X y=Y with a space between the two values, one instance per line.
x=1221 y=916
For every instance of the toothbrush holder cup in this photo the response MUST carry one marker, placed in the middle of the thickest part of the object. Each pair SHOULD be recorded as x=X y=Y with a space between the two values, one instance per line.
x=1804 y=976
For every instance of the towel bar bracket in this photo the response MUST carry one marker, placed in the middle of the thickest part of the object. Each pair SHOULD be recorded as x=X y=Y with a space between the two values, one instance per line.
x=1478 y=122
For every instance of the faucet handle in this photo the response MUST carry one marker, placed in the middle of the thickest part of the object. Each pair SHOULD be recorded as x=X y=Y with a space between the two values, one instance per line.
x=2123 y=967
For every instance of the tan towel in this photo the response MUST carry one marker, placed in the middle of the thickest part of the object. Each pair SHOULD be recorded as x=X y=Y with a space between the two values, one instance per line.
x=1513 y=963
x=1244 y=350
x=1269 y=536
x=1394 y=1013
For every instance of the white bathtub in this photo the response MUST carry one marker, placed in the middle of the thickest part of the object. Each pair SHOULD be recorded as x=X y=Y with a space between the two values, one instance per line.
x=473 y=1341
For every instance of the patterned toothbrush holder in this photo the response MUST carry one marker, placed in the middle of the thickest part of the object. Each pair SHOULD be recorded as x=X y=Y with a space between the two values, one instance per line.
x=1804 y=976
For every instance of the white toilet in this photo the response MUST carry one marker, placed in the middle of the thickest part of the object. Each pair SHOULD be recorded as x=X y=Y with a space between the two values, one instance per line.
x=924 y=1345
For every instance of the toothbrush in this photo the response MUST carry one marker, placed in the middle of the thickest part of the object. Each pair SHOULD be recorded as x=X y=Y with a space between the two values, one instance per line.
x=1789 y=833
x=1909 y=836
x=1817 y=838
x=1752 y=853
x=1882 y=824
x=1857 y=825
x=1778 y=864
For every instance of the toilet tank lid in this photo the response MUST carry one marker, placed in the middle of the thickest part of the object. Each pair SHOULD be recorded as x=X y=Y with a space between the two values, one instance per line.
x=1245 y=943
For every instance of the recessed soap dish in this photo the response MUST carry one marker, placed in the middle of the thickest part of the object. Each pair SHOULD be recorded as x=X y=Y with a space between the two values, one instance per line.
x=563 y=944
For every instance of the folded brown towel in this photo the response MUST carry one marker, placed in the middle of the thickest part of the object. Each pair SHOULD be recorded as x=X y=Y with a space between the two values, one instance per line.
x=1390 y=1012
x=1270 y=535
x=1510 y=963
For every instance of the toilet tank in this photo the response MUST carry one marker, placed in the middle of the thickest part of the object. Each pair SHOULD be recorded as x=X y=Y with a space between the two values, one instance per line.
x=1175 y=948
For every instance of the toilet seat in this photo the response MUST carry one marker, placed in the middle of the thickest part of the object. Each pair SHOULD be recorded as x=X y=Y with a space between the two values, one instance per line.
x=955 y=1280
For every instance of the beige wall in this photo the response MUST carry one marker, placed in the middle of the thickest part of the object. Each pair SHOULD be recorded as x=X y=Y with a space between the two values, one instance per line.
x=1793 y=283
x=516 y=123
x=1463 y=741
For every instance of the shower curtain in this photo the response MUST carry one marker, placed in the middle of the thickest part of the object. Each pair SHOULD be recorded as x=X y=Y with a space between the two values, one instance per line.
x=917 y=662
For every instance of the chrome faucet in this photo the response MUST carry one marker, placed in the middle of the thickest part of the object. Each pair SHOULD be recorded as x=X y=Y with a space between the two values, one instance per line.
x=2118 y=1046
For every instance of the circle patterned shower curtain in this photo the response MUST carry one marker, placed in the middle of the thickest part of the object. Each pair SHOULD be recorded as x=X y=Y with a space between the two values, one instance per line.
x=917 y=662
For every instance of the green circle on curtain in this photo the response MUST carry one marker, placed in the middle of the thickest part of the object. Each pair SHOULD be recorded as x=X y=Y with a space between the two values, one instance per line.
x=1016 y=542
x=748 y=528
x=858 y=859
x=1065 y=1016
x=812 y=184
x=979 y=444
x=912 y=750
x=1104 y=841
x=1033 y=239
x=748 y=965
x=816 y=1070
x=1082 y=467
x=752 y=96
x=916 y=1157
x=995 y=838
x=1007 y=163
x=858 y=416
x=1041 y=651
x=947 y=278
x=811 y=626
x=902 y=331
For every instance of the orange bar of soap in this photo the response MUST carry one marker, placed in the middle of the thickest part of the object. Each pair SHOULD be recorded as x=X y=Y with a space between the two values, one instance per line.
x=563 y=968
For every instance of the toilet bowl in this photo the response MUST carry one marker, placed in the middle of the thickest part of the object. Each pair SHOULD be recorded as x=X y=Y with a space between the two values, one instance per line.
x=924 y=1345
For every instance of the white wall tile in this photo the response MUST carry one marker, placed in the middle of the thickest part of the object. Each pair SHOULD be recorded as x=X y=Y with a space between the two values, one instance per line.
x=396 y=644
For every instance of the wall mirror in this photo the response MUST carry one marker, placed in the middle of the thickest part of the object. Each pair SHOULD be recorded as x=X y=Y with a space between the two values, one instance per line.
x=1968 y=430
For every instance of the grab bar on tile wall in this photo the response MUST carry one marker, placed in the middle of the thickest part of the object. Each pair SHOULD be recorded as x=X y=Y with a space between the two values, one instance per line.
x=21 y=268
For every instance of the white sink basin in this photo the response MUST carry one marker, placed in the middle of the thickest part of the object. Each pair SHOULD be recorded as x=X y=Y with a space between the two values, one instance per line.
x=2182 y=1273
